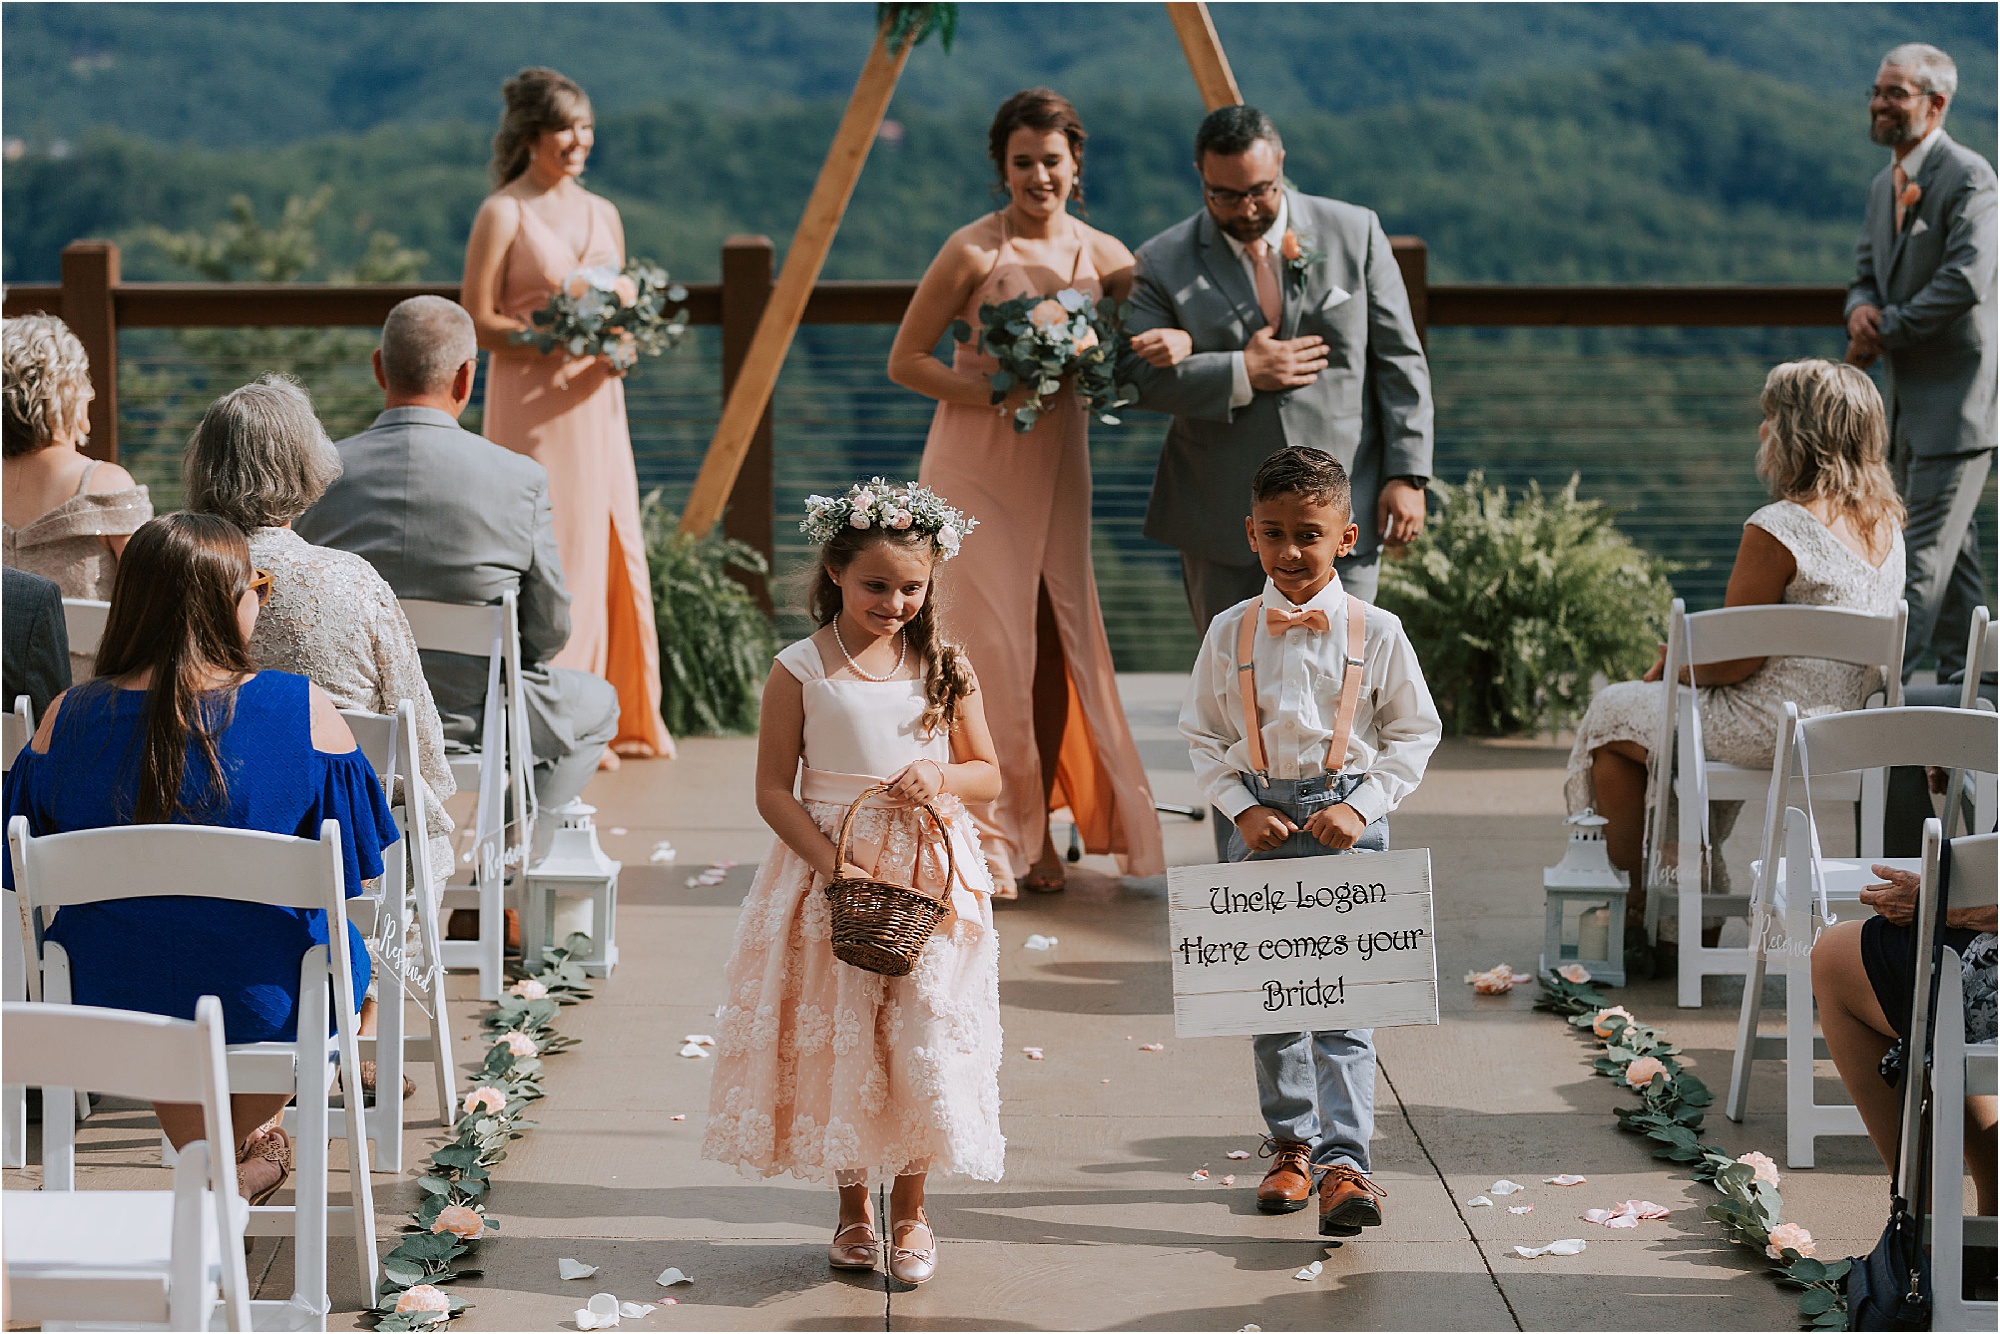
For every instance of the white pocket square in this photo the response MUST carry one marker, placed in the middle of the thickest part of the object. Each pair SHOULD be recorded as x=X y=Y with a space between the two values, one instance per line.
x=1919 y=227
x=1335 y=297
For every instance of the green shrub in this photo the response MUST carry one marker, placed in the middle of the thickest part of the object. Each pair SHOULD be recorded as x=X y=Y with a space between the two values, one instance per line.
x=716 y=643
x=1514 y=606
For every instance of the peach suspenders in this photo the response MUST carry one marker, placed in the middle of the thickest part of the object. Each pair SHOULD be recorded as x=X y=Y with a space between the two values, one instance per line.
x=1350 y=687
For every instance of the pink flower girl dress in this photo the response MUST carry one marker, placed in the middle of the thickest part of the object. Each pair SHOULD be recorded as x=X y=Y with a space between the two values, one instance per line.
x=830 y=1072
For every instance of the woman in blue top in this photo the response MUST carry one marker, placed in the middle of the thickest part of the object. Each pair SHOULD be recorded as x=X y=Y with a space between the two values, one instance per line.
x=179 y=728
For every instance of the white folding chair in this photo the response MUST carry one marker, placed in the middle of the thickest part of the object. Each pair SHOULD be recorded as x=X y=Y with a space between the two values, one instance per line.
x=1679 y=764
x=1958 y=1070
x=198 y=861
x=497 y=772
x=1982 y=655
x=137 y=1257
x=1796 y=892
x=407 y=895
x=84 y=619
x=17 y=728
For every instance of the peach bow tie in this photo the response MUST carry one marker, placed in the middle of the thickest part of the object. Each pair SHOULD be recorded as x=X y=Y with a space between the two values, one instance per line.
x=1277 y=620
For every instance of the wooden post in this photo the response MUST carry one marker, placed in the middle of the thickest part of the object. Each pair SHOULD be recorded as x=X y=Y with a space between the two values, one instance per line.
x=1203 y=48
x=89 y=275
x=746 y=291
x=1413 y=257
x=803 y=259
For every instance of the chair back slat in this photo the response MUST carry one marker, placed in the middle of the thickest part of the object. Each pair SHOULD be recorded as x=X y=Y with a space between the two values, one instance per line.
x=1880 y=738
x=17 y=729
x=1833 y=633
x=118 y=1052
x=450 y=627
x=375 y=736
x=151 y=861
x=1975 y=871
x=84 y=619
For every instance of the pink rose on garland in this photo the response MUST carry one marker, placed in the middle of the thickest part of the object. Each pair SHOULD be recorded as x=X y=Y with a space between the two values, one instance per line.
x=1601 y=1024
x=422 y=1297
x=485 y=1100
x=1767 y=1171
x=1642 y=1071
x=1789 y=1237
x=461 y=1222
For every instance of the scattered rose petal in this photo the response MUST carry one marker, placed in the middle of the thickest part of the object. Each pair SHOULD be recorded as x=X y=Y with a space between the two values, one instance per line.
x=1310 y=1272
x=699 y=1039
x=1199 y=1174
x=634 y=1310
x=694 y=1051
x=1032 y=1053
x=670 y=1301
x=1479 y=1202
x=663 y=853
x=1239 y=1153
x=678 y=1116
x=1229 y=1181
x=1497 y=980
x=1573 y=972
x=1567 y=1246
x=602 y=1313
x=1520 y=1208
x=1104 y=1081
x=1566 y=1179
x=1039 y=942
x=669 y=1277
x=1610 y=1217
x=1151 y=1046
x=1251 y=1329
x=620 y=829
x=1505 y=1187
x=569 y=1268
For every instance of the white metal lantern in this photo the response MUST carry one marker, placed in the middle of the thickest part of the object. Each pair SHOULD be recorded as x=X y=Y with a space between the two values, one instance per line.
x=1585 y=879
x=575 y=868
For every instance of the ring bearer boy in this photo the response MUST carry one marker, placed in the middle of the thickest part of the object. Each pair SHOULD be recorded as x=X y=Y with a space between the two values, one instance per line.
x=1308 y=721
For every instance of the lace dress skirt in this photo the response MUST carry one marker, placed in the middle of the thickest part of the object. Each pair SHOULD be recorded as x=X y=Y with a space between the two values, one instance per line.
x=831 y=1073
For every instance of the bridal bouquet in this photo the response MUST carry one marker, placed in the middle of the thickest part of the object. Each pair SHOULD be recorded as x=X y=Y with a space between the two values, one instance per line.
x=603 y=311
x=1040 y=339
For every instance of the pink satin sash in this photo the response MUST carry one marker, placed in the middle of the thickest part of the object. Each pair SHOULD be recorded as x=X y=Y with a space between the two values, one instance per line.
x=840 y=789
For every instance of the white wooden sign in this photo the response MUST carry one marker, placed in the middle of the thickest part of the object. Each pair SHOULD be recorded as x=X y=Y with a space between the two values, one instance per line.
x=1293 y=946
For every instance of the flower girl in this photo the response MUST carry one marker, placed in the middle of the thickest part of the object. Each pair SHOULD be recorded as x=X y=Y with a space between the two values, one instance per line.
x=825 y=1070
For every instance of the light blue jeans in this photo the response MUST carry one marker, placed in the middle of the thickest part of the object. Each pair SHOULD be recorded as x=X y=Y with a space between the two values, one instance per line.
x=1315 y=1088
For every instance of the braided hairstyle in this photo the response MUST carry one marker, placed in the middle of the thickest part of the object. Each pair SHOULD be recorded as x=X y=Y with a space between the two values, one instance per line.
x=947 y=675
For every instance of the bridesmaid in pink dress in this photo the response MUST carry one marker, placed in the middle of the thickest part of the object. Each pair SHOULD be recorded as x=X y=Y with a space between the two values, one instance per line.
x=1026 y=608
x=568 y=414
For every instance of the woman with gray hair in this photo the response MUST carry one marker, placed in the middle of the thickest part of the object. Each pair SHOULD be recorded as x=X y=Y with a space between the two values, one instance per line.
x=260 y=459
x=67 y=516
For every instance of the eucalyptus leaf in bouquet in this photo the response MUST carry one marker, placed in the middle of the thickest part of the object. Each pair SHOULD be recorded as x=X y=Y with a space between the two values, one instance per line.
x=616 y=313
x=1038 y=340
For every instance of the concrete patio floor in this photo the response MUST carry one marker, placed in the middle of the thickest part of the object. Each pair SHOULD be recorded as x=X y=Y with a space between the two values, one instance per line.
x=1097 y=1224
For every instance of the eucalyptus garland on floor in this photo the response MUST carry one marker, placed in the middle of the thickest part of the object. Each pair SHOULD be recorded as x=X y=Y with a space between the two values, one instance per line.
x=452 y=1219
x=1670 y=1111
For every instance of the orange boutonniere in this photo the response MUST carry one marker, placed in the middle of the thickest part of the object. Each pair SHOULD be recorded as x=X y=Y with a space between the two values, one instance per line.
x=1911 y=194
x=1298 y=255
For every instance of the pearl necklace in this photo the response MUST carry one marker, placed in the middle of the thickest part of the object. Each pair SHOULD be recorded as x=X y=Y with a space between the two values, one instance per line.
x=893 y=672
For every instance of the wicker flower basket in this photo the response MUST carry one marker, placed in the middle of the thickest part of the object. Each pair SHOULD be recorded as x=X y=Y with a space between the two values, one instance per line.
x=879 y=926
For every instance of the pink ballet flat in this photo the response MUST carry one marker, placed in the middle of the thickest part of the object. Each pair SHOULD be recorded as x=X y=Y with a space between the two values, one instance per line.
x=861 y=1253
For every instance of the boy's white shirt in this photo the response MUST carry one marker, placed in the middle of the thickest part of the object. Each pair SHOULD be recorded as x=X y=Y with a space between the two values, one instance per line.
x=1396 y=724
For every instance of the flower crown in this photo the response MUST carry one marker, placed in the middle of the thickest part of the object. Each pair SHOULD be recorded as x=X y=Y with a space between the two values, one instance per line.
x=880 y=504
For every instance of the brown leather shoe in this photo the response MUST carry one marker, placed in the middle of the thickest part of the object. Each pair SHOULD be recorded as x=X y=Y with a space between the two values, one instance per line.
x=1347 y=1202
x=463 y=924
x=1289 y=1183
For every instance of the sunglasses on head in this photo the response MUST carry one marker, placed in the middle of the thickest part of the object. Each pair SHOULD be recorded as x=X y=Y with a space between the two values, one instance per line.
x=260 y=584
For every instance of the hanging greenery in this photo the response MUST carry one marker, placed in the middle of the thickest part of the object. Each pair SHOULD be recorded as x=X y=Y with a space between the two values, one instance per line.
x=1515 y=604
x=907 y=25
x=1670 y=1111
x=716 y=643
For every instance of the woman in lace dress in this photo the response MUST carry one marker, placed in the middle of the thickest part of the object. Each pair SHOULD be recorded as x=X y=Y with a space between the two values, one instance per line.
x=824 y=1070
x=1833 y=538
x=67 y=516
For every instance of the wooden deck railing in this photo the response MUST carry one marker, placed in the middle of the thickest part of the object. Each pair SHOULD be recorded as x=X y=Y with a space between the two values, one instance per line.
x=96 y=304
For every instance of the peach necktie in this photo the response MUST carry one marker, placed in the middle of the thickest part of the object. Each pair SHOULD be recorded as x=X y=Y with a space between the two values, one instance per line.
x=1901 y=179
x=1269 y=300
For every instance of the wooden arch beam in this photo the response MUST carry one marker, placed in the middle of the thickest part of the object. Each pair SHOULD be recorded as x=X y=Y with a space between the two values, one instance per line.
x=1205 y=57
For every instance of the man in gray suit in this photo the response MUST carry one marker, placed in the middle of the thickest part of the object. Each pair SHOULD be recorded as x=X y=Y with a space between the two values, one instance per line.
x=1923 y=301
x=448 y=516
x=1274 y=318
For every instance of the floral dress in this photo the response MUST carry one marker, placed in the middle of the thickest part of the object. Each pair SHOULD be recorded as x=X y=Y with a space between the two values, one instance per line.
x=830 y=1072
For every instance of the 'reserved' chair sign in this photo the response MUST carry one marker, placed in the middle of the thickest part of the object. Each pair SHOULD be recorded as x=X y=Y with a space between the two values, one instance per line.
x=1293 y=946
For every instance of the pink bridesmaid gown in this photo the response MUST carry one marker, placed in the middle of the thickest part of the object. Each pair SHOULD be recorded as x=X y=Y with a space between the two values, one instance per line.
x=579 y=434
x=1031 y=495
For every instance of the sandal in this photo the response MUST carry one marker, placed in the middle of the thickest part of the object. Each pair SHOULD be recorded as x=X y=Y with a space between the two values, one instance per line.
x=1045 y=881
x=269 y=1144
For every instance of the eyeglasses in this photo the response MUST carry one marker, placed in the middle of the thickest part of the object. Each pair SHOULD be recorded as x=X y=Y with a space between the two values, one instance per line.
x=1232 y=198
x=260 y=584
x=1896 y=94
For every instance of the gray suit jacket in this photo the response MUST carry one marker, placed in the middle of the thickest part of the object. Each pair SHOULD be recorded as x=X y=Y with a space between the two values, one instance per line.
x=1370 y=408
x=1934 y=285
x=34 y=640
x=449 y=516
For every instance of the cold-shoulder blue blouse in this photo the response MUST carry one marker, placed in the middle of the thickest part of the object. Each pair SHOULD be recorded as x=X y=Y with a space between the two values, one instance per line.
x=160 y=955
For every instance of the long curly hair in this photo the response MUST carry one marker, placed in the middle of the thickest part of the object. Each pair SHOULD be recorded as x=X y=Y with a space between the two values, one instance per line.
x=1829 y=441
x=537 y=100
x=947 y=675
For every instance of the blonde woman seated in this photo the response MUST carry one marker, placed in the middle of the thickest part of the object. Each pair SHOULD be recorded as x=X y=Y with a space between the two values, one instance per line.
x=1832 y=538
x=259 y=459
x=67 y=516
